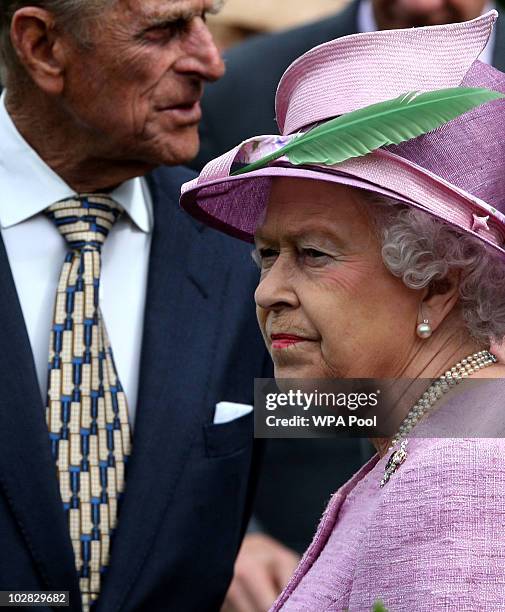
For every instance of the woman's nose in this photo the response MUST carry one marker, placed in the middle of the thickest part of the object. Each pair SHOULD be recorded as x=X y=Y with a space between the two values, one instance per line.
x=276 y=288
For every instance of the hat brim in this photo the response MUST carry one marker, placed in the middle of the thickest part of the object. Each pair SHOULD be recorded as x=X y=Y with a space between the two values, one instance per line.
x=235 y=204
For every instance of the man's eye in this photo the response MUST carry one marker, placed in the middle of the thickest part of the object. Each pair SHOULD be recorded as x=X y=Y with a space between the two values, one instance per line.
x=167 y=30
x=159 y=34
x=180 y=26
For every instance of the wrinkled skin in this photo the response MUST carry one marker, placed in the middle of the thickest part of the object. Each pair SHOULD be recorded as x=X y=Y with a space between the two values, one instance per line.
x=142 y=67
x=322 y=278
x=123 y=103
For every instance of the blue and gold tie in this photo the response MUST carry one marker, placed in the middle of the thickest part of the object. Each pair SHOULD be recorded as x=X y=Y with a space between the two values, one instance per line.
x=87 y=413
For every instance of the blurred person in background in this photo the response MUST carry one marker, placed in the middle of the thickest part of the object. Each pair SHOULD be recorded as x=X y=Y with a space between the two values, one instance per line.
x=242 y=104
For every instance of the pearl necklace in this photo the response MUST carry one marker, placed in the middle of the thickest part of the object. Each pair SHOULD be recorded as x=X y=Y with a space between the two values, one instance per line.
x=464 y=368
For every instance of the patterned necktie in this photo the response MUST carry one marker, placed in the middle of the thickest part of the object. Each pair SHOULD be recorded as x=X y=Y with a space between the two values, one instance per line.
x=86 y=412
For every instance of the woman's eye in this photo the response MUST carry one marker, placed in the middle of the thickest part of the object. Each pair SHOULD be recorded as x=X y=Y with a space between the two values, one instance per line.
x=313 y=257
x=313 y=253
x=264 y=257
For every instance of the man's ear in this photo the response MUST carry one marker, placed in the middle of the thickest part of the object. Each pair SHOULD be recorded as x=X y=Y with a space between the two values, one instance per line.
x=38 y=46
x=440 y=299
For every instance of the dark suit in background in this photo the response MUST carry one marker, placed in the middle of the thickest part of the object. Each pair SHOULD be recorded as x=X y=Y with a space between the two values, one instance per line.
x=189 y=484
x=298 y=475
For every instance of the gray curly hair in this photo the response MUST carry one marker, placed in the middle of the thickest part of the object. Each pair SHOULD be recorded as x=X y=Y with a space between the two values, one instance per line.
x=421 y=250
x=74 y=16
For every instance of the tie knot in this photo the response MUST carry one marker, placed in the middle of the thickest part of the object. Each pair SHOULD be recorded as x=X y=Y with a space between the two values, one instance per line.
x=85 y=220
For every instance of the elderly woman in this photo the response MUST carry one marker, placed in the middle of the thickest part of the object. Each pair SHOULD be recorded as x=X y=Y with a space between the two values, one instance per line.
x=388 y=263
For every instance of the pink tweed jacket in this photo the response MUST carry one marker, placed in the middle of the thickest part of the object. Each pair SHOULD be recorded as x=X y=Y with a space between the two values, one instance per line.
x=433 y=538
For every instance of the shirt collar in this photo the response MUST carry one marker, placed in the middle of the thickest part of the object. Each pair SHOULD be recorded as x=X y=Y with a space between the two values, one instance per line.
x=28 y=185
x=367 y=23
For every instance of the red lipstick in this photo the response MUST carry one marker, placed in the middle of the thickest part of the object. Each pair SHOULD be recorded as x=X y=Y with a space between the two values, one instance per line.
x=280 y=341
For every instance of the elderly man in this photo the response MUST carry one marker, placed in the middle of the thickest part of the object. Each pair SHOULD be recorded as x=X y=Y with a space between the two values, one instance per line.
x=126 y=454
x=240 y=105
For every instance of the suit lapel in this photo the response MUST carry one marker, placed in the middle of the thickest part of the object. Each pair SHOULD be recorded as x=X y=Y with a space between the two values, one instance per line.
x=178 y=337
x=27 y=469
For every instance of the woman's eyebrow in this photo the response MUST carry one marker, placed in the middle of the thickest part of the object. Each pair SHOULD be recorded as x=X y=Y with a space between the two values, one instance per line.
x=321 y=236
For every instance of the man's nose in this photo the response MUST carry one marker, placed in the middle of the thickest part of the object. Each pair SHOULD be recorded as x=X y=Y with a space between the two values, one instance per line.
x=200 y=54
x=276 y=289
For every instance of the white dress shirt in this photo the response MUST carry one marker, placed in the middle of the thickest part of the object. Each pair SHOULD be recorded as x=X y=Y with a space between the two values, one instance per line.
x=36 y=252
x=367 y=23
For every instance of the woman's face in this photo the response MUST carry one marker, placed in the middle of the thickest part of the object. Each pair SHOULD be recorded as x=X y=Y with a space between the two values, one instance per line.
x=326 y=305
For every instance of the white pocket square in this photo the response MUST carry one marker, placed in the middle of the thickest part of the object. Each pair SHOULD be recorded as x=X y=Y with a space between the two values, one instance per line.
x=229 y=411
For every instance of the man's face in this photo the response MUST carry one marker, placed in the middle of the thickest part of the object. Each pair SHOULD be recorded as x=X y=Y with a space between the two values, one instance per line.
x=137 y=91
x=391 y=14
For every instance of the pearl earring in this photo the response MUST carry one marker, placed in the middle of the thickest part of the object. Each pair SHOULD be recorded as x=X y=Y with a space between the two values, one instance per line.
x=424 y=330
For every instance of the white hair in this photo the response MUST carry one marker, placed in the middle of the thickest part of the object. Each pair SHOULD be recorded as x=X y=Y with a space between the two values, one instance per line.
x=421 y=250
x=74 y=16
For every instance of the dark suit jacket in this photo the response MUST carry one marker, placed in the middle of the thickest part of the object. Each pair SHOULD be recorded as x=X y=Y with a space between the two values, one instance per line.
x=241 y=104
x=237 y=107
x=189 y=481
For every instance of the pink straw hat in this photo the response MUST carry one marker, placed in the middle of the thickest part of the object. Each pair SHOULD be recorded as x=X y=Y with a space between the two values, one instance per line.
x=455 y=172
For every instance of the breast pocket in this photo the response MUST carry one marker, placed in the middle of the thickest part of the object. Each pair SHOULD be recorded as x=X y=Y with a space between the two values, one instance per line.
x=228 y=438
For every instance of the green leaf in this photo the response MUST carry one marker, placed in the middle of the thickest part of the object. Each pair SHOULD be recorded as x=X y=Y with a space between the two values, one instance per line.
x=379 y=607
x=362 y=131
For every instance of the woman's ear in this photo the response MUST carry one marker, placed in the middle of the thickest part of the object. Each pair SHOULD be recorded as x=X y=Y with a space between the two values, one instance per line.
x=441 y=297
x=38 y=46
